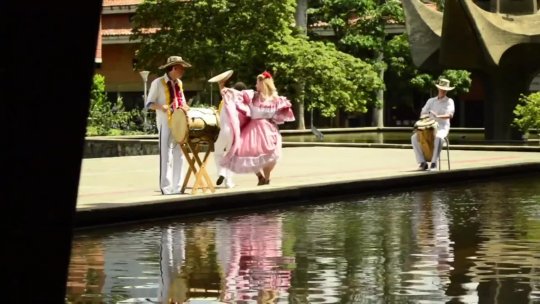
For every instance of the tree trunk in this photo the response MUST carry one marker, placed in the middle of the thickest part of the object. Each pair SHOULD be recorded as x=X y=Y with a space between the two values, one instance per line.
x=301 y=15
x=378 y=111
x=300 y=115
x=301 y=24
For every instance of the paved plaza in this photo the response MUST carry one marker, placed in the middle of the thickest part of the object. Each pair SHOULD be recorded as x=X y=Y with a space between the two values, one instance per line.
x=120 y=189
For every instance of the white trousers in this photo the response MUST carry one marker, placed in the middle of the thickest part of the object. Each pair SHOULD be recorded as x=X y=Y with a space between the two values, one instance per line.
x=223 y=143
x=437 y=145
x=170 y=161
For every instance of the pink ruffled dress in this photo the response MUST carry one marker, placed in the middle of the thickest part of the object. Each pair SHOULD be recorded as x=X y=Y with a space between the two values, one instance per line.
x=257 y=142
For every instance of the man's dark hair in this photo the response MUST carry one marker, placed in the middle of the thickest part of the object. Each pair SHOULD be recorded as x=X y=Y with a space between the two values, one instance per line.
x=240 y=86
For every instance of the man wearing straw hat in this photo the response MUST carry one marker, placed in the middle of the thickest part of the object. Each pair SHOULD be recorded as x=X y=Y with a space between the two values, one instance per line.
x=441 y=109
x=165 y=96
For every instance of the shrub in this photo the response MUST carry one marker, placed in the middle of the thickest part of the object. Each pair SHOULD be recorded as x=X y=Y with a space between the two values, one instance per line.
x=527 y=112
x=107 y=118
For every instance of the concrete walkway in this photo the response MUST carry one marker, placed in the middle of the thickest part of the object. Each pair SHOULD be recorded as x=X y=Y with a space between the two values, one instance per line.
x=119 y=189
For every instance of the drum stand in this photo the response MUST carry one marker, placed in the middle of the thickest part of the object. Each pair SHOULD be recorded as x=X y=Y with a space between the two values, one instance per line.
x=197 y=166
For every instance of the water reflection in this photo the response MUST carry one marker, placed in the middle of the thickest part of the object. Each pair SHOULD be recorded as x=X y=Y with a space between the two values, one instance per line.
x=507 y=258
x=469 y=244
x=249 y=250
x=427 y=271
x=171 y=260
x=402 y=137
x=387 y=137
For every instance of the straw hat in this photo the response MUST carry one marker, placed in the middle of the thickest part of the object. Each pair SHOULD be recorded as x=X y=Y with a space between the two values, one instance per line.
x=444 y=84
x=175 y=60
x=223 y=76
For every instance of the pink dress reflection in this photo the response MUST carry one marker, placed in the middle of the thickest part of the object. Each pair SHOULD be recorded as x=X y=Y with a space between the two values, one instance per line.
x=254 y=266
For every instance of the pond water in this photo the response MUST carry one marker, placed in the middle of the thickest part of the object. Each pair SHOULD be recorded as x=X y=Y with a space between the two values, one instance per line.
x=465 y=243
x=402 y=137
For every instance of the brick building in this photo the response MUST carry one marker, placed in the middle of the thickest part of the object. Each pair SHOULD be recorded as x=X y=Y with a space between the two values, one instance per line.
x=115 y=54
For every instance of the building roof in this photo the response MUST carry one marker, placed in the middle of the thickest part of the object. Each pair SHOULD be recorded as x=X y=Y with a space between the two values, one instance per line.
x=121 y=2
x=123 y=32
x=115 y=32
x=322 y=28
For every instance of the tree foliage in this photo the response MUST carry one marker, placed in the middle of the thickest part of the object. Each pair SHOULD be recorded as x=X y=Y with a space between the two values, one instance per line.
x=359 y=25
x=332 y=79
x=527 y=112
x=460 y=79
x=212 y=35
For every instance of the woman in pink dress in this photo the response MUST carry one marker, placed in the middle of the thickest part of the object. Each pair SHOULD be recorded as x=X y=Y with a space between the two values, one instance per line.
x=257 y=144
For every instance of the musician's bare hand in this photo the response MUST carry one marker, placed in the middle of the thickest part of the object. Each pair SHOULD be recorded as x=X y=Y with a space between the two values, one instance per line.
x=164 y=108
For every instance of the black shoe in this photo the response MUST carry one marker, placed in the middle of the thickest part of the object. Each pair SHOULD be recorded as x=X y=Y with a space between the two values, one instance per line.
x=433 y=167
x=220 y=180
x=263 y=182
x=423 y=166
x=261 y=179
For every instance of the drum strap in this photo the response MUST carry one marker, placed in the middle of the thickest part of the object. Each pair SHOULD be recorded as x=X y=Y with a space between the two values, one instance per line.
x=167 y=98
x=168 y=95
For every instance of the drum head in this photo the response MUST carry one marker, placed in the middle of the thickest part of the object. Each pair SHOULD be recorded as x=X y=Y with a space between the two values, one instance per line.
x=426 y=123
x=179 y=126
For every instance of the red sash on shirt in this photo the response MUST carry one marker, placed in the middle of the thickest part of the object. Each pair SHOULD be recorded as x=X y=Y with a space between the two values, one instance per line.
x=175 y=93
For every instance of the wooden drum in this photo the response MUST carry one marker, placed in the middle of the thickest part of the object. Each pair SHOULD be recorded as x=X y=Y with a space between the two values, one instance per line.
x=197 y=125
x=426 y=130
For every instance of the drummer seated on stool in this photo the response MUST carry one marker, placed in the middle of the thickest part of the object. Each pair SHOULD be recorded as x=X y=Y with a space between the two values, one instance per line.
x=441 y=109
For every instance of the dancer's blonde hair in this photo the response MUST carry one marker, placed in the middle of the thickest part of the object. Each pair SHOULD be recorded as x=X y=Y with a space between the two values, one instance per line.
x=268 y=88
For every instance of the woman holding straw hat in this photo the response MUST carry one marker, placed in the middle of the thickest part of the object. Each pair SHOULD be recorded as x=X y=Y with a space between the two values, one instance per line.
x=224 y=140
x=256 y=146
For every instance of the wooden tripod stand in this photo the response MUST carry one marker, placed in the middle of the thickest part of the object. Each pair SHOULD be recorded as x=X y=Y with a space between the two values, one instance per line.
x=197 y=166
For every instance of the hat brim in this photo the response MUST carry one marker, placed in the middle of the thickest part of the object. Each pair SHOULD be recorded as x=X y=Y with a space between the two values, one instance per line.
x=182 y=63
x=444 y=88
x=223 y=76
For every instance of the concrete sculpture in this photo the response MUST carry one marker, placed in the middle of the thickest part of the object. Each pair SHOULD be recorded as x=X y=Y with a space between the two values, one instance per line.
x=497 y=40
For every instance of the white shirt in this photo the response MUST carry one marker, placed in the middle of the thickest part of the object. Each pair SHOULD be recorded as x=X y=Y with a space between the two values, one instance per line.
x=443 y=106
x=157 y=94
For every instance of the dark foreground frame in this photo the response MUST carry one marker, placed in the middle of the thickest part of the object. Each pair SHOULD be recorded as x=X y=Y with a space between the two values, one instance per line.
x=45 y=77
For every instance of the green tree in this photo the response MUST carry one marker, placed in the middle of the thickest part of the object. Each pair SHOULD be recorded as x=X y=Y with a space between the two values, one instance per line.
x=212 y=35
x=298 y=57
x=360 y=26
x=460 y=79
x=527 y=113
x=332 y=79
x=361 y=30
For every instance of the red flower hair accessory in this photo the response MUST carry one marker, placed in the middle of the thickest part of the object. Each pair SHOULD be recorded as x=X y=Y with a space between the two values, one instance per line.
x=266 y=75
